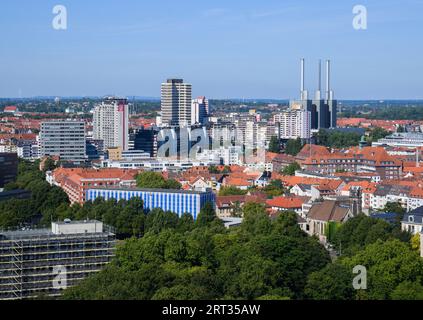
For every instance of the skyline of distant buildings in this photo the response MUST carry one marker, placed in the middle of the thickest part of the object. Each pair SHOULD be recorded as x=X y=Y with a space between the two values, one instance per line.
x=235 y=138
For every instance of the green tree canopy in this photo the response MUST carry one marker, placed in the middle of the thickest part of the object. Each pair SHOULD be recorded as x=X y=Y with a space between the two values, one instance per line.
x=388 y=265
x=291 y=169
x=154 y=180
x=274 y=145
x=360 y=231
x=232 y=191
x=293 y=147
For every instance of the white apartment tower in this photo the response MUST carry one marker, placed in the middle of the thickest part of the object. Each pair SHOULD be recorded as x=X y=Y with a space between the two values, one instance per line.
x=199 y=110
x=176 y=103
x=111 y=123
x=294 y=124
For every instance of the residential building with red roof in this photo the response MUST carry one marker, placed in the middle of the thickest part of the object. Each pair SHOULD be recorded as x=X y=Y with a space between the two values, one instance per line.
x=368 y=159
x=76 y=181
x=11 y=109
x=287 y=203
x=281 y=161
x=311 y=150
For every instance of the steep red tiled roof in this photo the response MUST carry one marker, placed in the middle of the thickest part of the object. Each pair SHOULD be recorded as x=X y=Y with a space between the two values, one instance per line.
x=78 y=174
x=286 y=202
x=313 y=150
x=10 y=108
x=376 y=154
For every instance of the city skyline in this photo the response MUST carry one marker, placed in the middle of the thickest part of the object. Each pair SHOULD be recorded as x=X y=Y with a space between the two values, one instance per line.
x=226 y=50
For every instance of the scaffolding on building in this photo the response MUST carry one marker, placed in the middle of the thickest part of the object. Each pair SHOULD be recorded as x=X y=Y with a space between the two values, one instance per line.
x=28 y=261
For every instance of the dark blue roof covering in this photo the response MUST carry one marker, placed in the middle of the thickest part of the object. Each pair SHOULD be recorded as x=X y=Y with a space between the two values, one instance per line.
x=415 y=216
x=390 y=217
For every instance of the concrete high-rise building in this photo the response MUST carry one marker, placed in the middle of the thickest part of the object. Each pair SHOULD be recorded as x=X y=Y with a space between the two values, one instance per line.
x=176 y=100
x=111 y=123
x=199 y=110
x=63 y=138
x=294 y=124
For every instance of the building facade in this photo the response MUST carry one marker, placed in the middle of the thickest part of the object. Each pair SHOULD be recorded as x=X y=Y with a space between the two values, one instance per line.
x=145 y=140
x=47 y=261
x=111 y=123
x=65 y=139
x=8 y=168
x=199 y=110
x=356 y=160
x=179 y=202
x=176 y=100
x=294 y=124
x=75 y=182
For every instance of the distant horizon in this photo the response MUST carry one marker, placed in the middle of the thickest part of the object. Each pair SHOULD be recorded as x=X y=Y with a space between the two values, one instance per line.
x=146 y=98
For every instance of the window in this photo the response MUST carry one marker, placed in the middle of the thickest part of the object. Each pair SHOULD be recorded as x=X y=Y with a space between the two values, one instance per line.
x=411 y=219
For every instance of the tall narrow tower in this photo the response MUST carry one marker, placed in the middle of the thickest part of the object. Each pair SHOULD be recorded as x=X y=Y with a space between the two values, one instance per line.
x=329 y=92
x=330 y=101
x=304 y=93
x=319 y=83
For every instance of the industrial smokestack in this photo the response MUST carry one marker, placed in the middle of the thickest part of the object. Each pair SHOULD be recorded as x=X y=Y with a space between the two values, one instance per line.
x=319 y=85
x=328 y=94
x=302 y=74
x=303 y=91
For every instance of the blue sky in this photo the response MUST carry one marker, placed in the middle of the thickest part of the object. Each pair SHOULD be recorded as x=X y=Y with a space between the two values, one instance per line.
x=225 y=48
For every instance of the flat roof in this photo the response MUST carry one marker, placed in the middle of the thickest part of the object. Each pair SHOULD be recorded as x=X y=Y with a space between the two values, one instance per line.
x=152 y=190
x=77 y=222
x=23 y=234
x=42 y=232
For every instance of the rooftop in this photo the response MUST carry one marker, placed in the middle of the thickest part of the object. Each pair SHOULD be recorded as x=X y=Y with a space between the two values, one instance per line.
x=25 y=233
x=151 y=190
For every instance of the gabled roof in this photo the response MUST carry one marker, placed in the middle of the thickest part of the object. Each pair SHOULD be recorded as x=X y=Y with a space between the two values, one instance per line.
x=304 y=187
x=238 y=182
x=229 y=200
x=375 y=155
x=329 y=210
x=416 y=215
x=287 y=202
x=78 y=174
x=10 y=108
x=364 y=185
x=313 y=150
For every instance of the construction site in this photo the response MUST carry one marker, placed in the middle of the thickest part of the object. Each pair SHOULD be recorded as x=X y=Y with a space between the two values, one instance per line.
x=44 y=262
